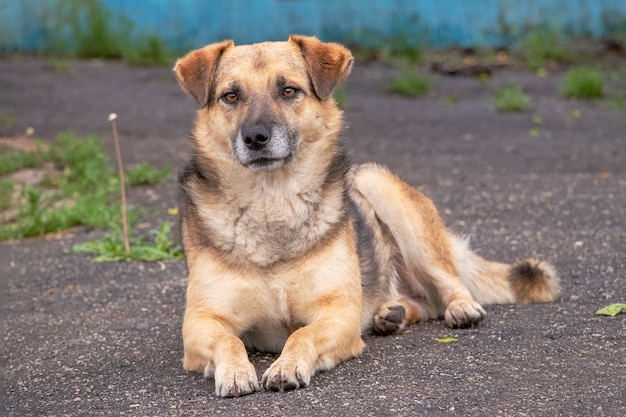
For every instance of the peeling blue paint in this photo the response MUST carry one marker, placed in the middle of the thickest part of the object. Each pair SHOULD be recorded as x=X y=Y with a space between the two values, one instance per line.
x=26 y=25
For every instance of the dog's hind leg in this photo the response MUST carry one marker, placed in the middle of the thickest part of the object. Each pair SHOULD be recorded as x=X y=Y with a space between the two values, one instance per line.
x=427 y=271
x=437 y=271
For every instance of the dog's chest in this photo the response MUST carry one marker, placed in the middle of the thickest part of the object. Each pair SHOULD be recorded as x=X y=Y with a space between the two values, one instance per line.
x=270 y=227
x=270 y=333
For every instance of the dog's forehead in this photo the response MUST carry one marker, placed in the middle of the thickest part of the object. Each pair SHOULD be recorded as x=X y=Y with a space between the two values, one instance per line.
x=266 y=58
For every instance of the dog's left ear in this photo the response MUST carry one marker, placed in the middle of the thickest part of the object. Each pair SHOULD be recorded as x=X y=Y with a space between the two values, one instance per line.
x=195 y=71
x=329 y=64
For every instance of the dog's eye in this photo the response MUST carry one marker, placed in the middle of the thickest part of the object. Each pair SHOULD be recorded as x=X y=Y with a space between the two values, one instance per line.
x=230 y=98
x=289 y=92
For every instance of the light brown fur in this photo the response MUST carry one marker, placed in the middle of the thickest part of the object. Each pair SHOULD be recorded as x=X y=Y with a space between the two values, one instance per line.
x=292 y=250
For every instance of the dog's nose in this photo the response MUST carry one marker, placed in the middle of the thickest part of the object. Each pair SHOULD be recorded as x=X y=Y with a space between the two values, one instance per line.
x=256 y=137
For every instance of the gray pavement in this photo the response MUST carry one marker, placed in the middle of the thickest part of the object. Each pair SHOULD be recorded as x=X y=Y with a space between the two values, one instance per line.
x=86 y=339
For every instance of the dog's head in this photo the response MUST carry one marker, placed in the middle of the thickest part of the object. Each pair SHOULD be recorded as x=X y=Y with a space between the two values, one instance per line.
x=260 y=102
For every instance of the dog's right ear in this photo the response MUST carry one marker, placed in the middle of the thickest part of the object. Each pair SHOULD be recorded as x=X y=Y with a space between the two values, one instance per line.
x=195 y=71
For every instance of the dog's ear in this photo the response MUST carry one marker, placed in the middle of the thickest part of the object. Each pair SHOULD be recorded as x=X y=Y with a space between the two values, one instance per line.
x=195 y=71
x=328 y=64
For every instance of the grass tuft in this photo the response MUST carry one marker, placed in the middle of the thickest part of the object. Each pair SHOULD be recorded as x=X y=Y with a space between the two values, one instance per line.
x=410 y=83
x=583 y=83
x=148 y=51
x=111 y=247
x=544 y=46
x=145 y=174
x=12 y=160
x=89 y=29
x=6 y=193
x=510 y=99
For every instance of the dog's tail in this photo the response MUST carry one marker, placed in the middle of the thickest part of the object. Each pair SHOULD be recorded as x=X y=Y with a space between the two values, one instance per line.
x=428 y=250
x=524 y=282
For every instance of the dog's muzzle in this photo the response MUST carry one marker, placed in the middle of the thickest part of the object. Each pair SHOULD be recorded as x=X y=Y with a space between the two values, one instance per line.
x=263 y=148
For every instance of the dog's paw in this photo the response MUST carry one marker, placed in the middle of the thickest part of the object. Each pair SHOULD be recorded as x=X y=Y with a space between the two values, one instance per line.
x=464 y=314
x=390 y=318
x=286 y=375
x=235 y=381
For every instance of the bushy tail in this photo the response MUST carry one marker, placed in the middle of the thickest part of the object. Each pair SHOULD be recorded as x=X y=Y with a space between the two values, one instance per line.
x=528 y=281
x=532 y=281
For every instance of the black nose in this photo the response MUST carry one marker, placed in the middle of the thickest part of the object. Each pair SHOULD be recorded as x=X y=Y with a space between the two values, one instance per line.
x=256 y=137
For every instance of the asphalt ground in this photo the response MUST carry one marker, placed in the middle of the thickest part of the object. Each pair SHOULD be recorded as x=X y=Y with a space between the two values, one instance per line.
x=85 y=339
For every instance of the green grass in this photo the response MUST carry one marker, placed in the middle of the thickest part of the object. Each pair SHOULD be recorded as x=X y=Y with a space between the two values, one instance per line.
x=583 y=83
x=410 y=83
x=88 y=29
x=145 y=174
x=400 y=49
x=148 y=51
x=510 y=99
x=6 y=193
x=83 y=192
x=12 y=160
x=541 y=47
x=404 y=45
x=60 y=64
x=111 y=247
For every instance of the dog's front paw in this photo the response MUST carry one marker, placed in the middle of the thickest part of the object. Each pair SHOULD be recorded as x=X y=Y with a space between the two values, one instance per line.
x=235 y=381
x=390 y=318
x=286 y=375
x=463 y=314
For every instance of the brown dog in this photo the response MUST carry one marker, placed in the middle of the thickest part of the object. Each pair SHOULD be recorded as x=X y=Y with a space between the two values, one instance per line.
x=292 y=249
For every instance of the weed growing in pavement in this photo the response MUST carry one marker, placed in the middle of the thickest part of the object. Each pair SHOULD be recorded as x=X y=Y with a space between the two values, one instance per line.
x=111 y=247
x=87 y=29
x=411 y=83
x=148 y=51
x=60 y=64
x=91 y=27
x=510 y=99
x=146 y=174
x=12 y=160
x=81 y=191
x=6 y=193
x=544 y=46
x=583 y=83
x=401 y=46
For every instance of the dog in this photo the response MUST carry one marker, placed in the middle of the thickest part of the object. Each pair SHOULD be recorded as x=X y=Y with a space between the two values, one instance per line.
x=293 y=249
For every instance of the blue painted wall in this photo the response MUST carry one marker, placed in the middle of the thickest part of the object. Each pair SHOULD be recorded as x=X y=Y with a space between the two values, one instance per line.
x=28 y=25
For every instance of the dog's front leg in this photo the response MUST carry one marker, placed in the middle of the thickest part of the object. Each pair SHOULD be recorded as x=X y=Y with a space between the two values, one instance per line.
x=212 y=349
x=320 y=345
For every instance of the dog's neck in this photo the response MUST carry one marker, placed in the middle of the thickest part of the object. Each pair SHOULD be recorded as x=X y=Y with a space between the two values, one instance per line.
x=263 y=218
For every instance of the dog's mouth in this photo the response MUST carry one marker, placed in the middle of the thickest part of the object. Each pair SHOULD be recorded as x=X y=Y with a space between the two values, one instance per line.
x=266 y=164
x=276 y=149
